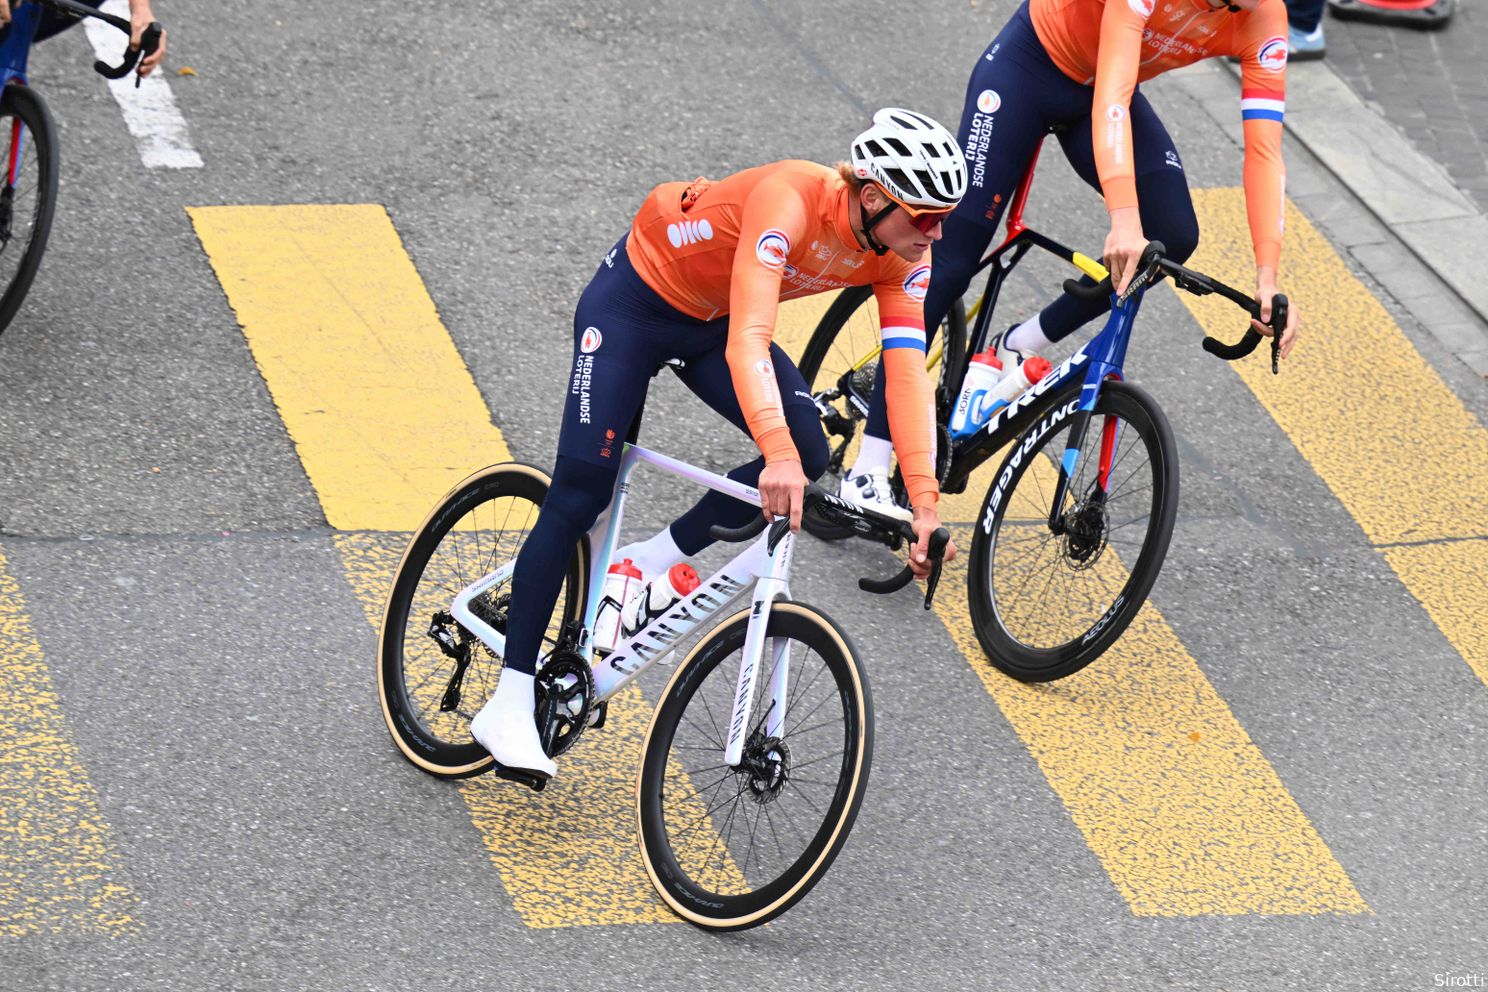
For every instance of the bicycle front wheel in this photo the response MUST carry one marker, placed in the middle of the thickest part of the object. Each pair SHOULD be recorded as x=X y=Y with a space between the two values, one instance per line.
x=433 y=674
x=839 y=364
x=1046 y=604
x=28 y=192
x=729 y=848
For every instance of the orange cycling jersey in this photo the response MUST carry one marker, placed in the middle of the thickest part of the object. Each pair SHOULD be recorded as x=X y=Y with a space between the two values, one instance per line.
x=742 y=244
x=1114 y=46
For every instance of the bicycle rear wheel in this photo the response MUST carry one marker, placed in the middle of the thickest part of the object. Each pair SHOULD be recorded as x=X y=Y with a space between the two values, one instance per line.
x=839 y=369
x=28 y=192
x=732 y=848
x=1045 y=605
x=433 y=675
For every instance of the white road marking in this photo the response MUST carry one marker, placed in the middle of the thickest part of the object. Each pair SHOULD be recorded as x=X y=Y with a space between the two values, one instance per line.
x=150 y=111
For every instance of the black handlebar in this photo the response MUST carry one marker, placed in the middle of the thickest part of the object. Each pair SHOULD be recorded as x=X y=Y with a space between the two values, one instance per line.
x=149 y=38
x=1153 y=263
x=875 y=526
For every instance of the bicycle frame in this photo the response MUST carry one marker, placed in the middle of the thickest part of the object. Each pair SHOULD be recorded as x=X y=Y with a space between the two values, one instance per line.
x=759 y=565
x=1099 y=359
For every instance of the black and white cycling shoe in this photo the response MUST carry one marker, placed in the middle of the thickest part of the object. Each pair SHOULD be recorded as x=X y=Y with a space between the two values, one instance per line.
x=872 y=491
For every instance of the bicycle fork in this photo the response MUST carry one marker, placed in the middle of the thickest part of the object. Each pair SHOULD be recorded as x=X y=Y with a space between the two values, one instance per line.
x=767 y=589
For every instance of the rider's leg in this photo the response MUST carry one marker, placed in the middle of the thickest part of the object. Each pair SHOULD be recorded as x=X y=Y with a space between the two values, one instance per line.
x=1162 y=193
x=614 y=357
x=708 y=376
x=1015 y=92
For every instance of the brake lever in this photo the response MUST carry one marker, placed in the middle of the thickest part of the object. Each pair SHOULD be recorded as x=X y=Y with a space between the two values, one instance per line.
x=938 y=542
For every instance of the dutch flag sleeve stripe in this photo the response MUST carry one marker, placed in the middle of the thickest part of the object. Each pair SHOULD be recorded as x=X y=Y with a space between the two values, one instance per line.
x=1265 y=105
x=903 y=337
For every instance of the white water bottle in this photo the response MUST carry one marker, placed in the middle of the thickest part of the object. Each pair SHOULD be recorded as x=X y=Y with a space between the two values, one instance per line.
x=622 y=582
x=982 y=373
x=678 y=581
x=1026 y=374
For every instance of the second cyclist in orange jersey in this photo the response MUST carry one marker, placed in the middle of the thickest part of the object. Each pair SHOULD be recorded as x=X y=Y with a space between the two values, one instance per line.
x=696 y=284
x=1074 y=67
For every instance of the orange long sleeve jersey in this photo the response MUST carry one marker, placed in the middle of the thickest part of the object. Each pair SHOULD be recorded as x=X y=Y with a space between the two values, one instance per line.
x=742 y=244
x=1114 y=46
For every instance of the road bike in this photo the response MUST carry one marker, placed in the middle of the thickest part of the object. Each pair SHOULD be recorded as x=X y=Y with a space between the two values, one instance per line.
x=757 y=757
x=28 y=195
x=1076 y=522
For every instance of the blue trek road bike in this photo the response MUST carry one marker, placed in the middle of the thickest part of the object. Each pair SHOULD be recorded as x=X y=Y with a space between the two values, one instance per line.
x=1076 y=522
x=28 y=195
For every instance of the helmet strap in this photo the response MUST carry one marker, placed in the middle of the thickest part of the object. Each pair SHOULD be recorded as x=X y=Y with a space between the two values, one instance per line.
x=868 y=222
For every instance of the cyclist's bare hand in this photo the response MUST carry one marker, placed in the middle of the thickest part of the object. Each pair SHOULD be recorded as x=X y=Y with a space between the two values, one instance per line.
x=782 y=486
x=926 y=522
x=1124 y=246
x=140 y=17
x=1265 y=290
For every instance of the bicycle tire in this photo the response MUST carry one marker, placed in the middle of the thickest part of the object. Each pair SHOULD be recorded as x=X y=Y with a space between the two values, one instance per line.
x=770 y=774
x=846 y=334
x=994 y=616
x=23 y=108
x=413 y=672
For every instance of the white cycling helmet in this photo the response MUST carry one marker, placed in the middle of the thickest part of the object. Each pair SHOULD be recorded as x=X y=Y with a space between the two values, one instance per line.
x=915 y=160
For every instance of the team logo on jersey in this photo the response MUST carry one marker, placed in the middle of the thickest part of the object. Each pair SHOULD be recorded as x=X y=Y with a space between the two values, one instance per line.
x=1115 y=113
x=689 y=232
x=1273 y=54
x=917 y=283
x=590 y=342
x=772 y=248
x=989 y=101
x=1142 y=8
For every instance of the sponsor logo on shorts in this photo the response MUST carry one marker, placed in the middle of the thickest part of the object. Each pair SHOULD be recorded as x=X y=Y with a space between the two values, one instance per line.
x=607 y=449
x=772 y=248
x=689 y=232
x=591 y=340
x=1171 y=158
x=917 y=283
x=582 y=386
x=1273 y=54
x=989 y=101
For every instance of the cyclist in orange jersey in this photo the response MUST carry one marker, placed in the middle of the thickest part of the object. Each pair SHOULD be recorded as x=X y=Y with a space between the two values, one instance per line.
x=696 y=284
x=1074 y=67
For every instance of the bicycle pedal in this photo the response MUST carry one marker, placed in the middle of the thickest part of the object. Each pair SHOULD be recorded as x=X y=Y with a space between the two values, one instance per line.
x=534 y=782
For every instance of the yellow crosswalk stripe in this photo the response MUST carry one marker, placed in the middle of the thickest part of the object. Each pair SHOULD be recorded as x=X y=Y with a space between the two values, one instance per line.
x=367 y=381
x=58 y=863
x=364 y=375
x=1403 y=455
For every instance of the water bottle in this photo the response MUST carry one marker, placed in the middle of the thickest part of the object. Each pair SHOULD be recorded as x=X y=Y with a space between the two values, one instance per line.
x=622 y=582
x=982 y=407
x=661 y=595
x=982 y=373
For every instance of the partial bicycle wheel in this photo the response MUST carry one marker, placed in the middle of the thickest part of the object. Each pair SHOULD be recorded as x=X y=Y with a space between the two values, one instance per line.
x=433 y=674
x=839 y=364
x=732 y=848
x=1046 y=604
x=28 y=192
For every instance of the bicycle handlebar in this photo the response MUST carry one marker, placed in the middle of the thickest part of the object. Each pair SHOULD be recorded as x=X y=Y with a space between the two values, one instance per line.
x=889 y=529
x=1154 y=263
x=149 y=38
